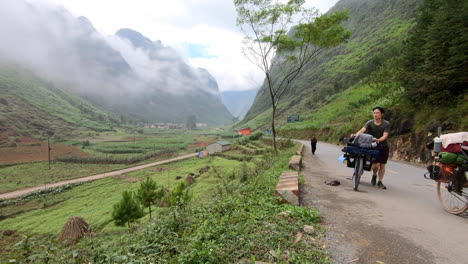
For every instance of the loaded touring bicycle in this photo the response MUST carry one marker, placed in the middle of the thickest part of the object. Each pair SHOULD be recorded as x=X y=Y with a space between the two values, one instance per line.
x=449 y=169
x=359 y=154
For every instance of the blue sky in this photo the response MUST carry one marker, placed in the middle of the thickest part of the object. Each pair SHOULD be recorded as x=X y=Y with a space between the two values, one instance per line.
x=197 y=51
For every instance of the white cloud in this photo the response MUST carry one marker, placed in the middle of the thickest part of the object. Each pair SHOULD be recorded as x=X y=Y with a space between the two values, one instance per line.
x=210 y=23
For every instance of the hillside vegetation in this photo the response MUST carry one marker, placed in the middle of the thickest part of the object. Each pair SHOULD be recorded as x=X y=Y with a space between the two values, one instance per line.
x=407 y=56
x=31 y=105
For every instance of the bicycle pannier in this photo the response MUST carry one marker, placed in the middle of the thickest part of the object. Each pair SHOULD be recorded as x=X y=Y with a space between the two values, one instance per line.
x=433 y=172
x=442 y=173
x=447 y=157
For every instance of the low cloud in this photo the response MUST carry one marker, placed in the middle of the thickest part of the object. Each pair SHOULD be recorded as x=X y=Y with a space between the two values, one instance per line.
x=53 y=42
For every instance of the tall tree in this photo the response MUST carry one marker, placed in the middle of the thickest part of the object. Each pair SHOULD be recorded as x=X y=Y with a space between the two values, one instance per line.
x=149 y=193
x=281 y=53
x=435 y=57
x=191 y=122
x=127 y=210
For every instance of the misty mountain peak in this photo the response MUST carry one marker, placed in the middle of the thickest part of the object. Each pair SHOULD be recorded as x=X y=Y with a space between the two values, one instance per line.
x=137 y=39
x=86 y=24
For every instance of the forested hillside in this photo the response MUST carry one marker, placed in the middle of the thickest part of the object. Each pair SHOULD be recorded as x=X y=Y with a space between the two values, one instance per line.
x=406 y=55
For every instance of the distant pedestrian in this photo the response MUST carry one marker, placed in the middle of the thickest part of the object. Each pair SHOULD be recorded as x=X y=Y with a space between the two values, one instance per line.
x=313 y=144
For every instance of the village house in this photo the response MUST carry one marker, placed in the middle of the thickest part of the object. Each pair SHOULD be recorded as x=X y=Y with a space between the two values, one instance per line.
x=245 y=132
x=219 y=146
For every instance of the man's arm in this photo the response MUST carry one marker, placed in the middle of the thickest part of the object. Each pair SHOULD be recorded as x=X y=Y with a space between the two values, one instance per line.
x=361 y=131
x=383 y=138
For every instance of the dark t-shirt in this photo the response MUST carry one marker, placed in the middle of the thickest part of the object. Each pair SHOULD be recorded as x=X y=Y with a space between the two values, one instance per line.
x=378 y=131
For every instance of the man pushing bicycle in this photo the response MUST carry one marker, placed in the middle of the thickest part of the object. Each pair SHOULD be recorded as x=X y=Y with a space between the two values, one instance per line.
x=379 y=129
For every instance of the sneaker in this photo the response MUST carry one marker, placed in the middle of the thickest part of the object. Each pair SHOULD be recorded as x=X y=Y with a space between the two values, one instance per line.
x=381 y=186
x=374 y=179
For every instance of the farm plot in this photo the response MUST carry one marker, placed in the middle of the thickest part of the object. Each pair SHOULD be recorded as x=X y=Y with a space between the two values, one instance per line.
x=93 y=201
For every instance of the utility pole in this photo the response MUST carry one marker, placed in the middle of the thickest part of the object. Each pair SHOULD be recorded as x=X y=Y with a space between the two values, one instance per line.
x=49 y=134
x=48 y=149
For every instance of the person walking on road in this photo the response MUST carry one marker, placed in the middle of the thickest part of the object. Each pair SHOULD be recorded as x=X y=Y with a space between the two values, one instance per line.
x=313 y=144
x=379 y=129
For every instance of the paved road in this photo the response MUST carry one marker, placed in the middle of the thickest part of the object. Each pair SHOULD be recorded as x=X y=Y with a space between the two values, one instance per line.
x=403 y=224
x=17 y=193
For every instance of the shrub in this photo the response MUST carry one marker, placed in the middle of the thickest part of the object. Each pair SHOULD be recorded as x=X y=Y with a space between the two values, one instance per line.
x=243 y=140
x=229 y=135
x=199 y=149
x=112 y=160
x=179 y=196
x=85 y=144
x=256 y=135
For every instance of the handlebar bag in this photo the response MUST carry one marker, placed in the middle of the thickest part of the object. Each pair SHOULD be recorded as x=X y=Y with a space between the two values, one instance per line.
x=364 y=141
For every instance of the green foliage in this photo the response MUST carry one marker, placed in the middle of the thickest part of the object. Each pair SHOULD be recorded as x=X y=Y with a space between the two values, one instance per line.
x=244 y=172
x=149 y=193
x=256 y=135
x=435 y=60
x=243 y=140
x=85 y=144
x=127 y=210
x=112 y=160
x=232 y=157
x=180 y=196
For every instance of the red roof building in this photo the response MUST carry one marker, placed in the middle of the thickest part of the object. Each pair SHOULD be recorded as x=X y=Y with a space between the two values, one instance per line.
x=245 y=131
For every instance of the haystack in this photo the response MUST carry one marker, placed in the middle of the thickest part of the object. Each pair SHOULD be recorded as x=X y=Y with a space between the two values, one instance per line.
x=75 y=228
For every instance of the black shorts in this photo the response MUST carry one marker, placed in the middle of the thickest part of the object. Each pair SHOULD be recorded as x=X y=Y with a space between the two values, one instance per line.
x=383 y=156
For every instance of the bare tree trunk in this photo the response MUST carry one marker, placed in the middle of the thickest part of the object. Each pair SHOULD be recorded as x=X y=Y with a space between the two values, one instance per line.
x=273 y=128
x=150 y=210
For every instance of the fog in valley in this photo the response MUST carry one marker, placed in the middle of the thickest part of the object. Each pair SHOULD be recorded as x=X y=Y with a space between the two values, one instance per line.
x=54 y=44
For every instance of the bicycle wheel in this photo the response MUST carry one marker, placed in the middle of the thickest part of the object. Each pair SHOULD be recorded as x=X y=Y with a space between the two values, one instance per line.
x=357 y=172
x=453 y=202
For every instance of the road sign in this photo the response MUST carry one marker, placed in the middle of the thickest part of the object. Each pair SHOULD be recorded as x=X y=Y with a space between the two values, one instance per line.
x=293 y=119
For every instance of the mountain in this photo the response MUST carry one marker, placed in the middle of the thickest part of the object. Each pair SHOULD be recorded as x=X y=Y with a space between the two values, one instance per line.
x=239 y=102
x=377 y=27
x=128 y=75
x=178 y=91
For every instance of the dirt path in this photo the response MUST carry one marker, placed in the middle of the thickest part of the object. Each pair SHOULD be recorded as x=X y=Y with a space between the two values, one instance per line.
x=20 y=192
x=403 y=224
